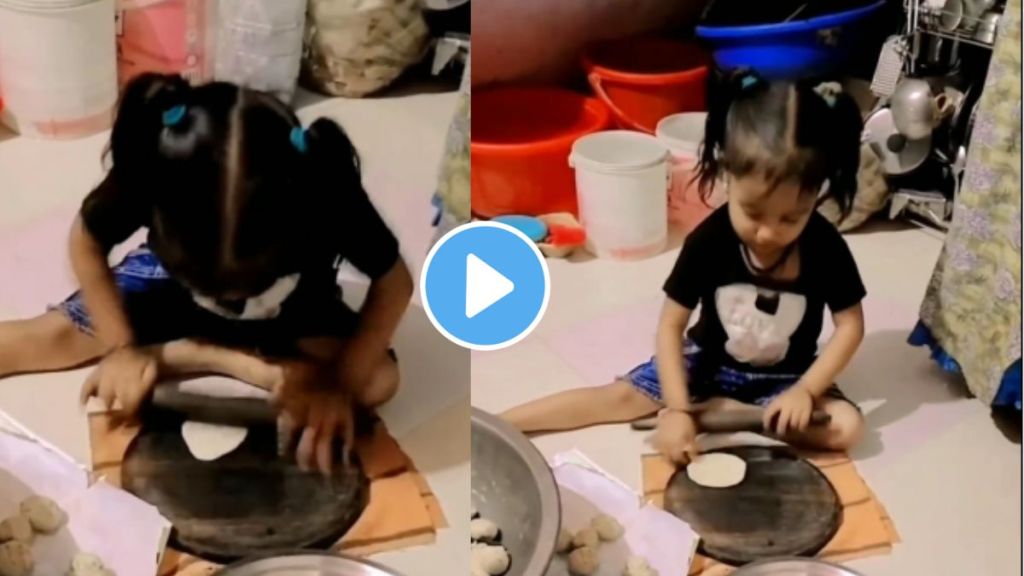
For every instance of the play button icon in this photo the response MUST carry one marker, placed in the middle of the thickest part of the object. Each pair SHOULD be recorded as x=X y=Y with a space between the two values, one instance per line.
x=489 y=286
x=484 y=285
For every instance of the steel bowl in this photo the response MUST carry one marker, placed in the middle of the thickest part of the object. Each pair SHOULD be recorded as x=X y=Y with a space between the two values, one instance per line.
x=793 y=567
x=513 y=487
x=306 y=563
x=988 y=27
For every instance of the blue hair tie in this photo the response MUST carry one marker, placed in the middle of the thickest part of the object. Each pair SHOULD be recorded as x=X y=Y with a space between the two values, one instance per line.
x=173 y=116
x=298 y=138
x=748 y=82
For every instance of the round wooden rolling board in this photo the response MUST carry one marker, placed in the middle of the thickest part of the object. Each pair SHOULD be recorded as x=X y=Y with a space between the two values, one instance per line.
x=248 y=502
x=784 y=507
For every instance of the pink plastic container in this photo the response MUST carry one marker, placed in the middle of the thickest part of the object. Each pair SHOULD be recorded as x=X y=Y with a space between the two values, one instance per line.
x=166 y=36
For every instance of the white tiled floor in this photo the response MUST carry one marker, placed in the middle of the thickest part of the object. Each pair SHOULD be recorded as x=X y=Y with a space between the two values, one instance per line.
x=949 y=478
x=401 y=139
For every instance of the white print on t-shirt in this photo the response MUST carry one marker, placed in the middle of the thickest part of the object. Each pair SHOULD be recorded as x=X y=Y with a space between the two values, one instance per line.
x=264 y=306
x=758 y=322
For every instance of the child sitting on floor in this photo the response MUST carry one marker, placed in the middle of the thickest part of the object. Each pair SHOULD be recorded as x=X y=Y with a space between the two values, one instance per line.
x=763 y=268
x=249 y=216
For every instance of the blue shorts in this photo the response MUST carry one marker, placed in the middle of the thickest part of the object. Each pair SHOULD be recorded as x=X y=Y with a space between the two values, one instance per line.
x=161 y=310
x=748 y=387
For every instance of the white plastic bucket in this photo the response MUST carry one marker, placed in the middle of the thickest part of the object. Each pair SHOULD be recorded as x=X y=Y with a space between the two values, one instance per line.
x=621 y=183
x=259 y=44
x=58 y=66
x=683 y=134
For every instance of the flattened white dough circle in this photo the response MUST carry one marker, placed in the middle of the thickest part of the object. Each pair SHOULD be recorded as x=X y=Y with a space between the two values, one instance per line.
x=717 y=470
x=209 y=442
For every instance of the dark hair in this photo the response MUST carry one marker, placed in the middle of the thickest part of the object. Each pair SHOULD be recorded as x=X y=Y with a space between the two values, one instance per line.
x=799 y=131
x=240 y=194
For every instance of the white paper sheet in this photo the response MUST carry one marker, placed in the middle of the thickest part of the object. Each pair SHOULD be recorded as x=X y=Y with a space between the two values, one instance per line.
x=128 y=534
x=665 y=541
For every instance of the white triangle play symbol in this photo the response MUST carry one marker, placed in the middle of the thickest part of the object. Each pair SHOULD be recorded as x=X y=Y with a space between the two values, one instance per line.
x=484 y=286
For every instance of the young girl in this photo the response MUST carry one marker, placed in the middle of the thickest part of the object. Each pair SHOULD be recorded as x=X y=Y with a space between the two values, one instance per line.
x=248 y=217
x=763 y=268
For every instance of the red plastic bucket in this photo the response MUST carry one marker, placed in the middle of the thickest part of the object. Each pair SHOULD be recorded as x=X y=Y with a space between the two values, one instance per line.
x=519 y=148
x=643 y=80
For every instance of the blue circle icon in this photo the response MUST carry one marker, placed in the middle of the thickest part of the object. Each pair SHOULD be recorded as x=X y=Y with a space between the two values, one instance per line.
x=485 y=285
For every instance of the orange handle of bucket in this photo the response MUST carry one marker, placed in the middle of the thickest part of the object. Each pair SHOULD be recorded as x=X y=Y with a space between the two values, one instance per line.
x=595 y=82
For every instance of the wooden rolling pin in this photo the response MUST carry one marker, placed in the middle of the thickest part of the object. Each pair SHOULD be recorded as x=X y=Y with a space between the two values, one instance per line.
x=214 y=410
x=744 y=420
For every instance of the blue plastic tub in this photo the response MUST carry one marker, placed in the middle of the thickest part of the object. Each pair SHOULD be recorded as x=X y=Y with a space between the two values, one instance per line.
x=790 y=50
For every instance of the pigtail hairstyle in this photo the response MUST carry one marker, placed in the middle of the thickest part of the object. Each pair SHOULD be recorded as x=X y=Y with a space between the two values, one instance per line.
x=724 y=88
x=837 y=128
x=333 y=162
x=805 y=132
x=139 y=121
x=333 y=155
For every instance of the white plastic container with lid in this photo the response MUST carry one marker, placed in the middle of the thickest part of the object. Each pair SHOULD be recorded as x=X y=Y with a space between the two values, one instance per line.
x=683 y=135
x=259 y=44
x=621 y=185
x=58 y=66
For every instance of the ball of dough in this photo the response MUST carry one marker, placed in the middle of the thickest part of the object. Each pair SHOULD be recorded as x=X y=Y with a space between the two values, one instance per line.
x=717 y=470
x=493 y=560
x=16 y=528
x=583 y=561
x=586 y=537
x=44 y=514
x=564 y=542
x=483 y=530
x=638 y=566
x=86 y=564
x=608 y=529
x=16 y=559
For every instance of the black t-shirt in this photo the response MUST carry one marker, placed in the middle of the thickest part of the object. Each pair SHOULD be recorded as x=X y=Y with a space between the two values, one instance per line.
x=756 y=323
x=359 y=234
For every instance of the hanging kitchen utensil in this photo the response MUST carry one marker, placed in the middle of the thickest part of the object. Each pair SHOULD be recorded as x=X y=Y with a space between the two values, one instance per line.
x=890 y=66
x=898 y=154
x=915 y=110
x=952 y=15
x=961 y=122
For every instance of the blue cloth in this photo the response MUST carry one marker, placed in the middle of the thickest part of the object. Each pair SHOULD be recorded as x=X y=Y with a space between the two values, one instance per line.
x=749 y=387
x=1009 y=393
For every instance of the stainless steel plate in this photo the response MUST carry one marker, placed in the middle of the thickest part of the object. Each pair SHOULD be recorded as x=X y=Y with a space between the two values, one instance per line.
x=307 y=564
x=793 y=567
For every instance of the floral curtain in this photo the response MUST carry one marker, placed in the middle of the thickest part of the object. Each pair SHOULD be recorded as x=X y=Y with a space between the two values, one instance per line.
x=971 y=315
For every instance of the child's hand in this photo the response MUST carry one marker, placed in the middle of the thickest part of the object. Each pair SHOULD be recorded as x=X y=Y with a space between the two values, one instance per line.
x=126 y=375
x=676 y=436
x=313 y=401
x=789 y=411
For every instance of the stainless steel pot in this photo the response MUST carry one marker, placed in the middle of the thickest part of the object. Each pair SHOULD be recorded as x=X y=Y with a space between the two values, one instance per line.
x=513 y=486
x=793 y=567
x=988 y=26
x=915 y=110
x=307 y=564
x=898 y=154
